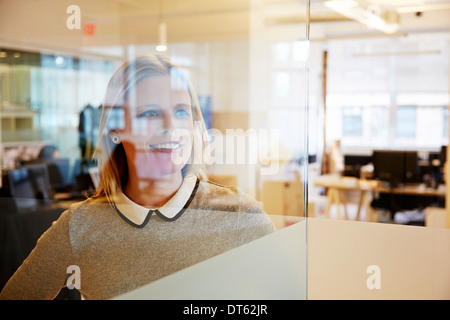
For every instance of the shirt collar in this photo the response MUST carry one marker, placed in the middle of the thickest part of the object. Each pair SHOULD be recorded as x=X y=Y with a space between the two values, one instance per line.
x=138 y=215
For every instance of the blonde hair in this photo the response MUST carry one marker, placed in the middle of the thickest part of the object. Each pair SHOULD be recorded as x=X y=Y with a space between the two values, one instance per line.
x=112 y=163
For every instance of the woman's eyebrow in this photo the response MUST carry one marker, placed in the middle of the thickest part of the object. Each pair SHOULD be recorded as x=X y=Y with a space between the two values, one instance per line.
x=183 y=105
x=157 y=106
x=151 y=105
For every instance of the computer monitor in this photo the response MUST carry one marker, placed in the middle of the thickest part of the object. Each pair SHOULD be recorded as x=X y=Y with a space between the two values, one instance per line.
x=58 y=171
x=353 y=164
x=411 y=169
x=395 y=167
x=40 y=180
x=21 y=189
x=443 y=155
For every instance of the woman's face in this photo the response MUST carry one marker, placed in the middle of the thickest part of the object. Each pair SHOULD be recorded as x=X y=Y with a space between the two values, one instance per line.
x=157 y=137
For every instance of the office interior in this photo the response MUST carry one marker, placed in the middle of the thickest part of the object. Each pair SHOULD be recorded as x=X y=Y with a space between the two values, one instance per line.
x=318 y=109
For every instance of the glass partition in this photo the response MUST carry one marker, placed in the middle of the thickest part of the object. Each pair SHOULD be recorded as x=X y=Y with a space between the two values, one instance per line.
x=203 y=177
x=379 y=102
x=224 y=150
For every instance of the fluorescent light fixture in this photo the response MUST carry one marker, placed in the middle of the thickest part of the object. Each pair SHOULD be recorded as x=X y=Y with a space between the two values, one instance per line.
x=368 y=14
x=162 y=45
x=59 y=60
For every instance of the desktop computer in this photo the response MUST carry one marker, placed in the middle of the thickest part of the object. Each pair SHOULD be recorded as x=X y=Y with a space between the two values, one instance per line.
x=389 y=166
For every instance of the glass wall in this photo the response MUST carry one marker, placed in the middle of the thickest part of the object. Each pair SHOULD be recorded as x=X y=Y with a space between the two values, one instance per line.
x=389 y=91
x=379 y=122
x=250 y=77
x=199 y=149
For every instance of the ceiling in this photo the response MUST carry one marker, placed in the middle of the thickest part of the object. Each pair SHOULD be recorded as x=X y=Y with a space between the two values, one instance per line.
x=42 y=23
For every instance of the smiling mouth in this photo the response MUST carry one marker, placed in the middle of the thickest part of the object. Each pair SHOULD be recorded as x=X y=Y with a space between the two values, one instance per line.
x=166 y=146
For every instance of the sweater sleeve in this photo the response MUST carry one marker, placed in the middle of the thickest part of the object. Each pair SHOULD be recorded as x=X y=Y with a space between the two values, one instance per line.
x=253 y=221
x=44 y=272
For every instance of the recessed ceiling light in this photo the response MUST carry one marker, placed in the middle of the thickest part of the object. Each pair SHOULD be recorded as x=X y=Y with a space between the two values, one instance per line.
x=59 y=60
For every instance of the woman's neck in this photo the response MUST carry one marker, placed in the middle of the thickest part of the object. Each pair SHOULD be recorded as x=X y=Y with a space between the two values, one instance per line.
x=151 y=192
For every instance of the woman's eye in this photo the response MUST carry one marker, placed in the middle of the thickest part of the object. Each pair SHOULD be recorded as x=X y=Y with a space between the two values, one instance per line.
x=182 y=113
x=148 y=113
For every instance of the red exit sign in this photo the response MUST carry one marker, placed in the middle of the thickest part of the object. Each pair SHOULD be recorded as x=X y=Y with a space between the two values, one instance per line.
x=89 y=29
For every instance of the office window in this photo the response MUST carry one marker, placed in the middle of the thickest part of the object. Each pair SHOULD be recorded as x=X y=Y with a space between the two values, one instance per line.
x=411 y=88
x=406 y=122
x=445 y=131
x=352 y=121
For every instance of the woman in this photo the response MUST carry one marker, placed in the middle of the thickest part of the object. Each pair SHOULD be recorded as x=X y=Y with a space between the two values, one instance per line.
x=153 y=213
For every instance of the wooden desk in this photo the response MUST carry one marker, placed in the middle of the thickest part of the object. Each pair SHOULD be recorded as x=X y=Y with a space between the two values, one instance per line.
x=414 y=189
x=337 y=187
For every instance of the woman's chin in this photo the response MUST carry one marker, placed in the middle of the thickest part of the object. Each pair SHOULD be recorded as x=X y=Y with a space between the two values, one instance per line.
x=161 y=171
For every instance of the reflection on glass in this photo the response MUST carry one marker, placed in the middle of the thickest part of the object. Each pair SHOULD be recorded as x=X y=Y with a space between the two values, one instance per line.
x=246 y=130
x=154 y=212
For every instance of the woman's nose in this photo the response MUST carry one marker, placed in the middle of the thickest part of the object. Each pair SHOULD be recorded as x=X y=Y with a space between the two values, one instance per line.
x=168 y=123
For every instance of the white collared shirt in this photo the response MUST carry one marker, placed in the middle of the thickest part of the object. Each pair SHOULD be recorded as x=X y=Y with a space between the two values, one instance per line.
x=138 y=215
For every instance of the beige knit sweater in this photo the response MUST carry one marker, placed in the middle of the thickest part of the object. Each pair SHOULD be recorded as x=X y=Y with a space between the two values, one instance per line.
x=114 y=256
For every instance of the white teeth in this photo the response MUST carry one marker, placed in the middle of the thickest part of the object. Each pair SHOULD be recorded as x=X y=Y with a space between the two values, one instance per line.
x=167 y=146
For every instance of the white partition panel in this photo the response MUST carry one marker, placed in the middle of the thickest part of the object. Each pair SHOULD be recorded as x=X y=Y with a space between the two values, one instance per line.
x=272 y=267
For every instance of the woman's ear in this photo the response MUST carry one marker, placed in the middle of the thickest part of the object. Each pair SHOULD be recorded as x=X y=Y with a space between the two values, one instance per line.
x=114 y=136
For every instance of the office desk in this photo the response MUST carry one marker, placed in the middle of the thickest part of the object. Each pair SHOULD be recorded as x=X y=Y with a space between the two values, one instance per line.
x=338 y=186
x=413 y=189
